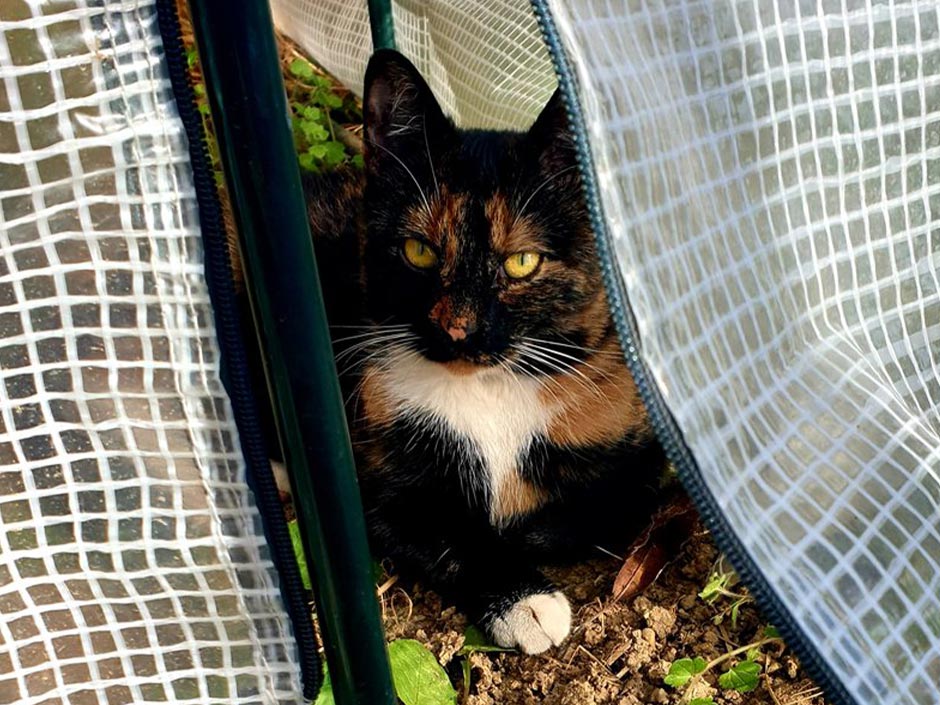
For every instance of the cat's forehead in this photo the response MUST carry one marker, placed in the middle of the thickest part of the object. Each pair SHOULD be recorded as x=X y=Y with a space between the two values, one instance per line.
x=451 y=220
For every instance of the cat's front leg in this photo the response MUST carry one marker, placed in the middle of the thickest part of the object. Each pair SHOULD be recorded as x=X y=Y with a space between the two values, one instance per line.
x=470 y=565
x=532 y=623
x=511 y=600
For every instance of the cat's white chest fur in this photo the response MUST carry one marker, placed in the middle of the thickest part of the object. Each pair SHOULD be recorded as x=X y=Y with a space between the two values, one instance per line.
x=498 y=412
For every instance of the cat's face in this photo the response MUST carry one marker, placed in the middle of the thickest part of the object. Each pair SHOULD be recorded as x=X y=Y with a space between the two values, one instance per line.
x=478 y=243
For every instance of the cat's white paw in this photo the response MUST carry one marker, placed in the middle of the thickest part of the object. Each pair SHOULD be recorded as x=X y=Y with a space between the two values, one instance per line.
x=534 y=624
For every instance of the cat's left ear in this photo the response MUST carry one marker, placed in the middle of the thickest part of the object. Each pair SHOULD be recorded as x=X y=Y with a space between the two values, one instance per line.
x=550 y=136
x=399 y=110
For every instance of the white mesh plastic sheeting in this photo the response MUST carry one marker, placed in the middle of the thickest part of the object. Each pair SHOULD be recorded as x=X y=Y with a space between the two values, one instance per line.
x=484 y=59
x=770 y=176
x=132 y=562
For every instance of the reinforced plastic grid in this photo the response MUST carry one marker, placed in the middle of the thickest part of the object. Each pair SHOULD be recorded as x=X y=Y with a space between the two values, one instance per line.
x=132 y=561
x=770 y=176
x=484 y=59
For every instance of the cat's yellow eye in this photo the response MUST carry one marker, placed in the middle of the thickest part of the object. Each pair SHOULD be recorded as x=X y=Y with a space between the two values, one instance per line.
x=522 y=264
x=419 y=254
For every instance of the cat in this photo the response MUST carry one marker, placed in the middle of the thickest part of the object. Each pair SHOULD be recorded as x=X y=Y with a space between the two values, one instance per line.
x=494 y=422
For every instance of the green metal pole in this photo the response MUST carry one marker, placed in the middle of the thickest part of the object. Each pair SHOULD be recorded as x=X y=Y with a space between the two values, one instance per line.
x=239 y=58
x=383 y=26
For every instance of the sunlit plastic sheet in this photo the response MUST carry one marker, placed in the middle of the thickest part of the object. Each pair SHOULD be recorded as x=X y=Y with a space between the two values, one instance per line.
x=132 y=562
x=769 y=174
x=485 y=60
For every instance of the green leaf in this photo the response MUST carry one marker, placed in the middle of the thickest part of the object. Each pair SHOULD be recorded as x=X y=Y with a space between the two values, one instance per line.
x=418 y=677
x=702 y=701
x=465 y=665
x=335 y=153
x=311 y=113
x=716 y=583
x=307 y=162
x=333 y=101
x=313 y=131
x=325 y=696
x=358 y=161
x=294 y=529
x=742 y=677
x=770 y=632
x=199 y=89
x=683 y=670
x=318 y=151
x=192 y=57
x=301 y=69
x=475 y=640
x=734 y=613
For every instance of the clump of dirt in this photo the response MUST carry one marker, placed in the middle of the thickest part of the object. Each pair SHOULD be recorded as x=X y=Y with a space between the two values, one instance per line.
x=618 y=652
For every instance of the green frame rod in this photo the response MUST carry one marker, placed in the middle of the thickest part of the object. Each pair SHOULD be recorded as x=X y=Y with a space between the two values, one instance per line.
x=239 y=58
x=382 y=24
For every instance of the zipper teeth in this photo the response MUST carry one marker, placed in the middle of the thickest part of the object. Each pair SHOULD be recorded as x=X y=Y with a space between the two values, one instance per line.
x=664 y=425
x=234 y=372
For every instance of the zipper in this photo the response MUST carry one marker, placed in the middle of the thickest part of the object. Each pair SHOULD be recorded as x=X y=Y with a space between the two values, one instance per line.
x=664 y=424
x=234 y=360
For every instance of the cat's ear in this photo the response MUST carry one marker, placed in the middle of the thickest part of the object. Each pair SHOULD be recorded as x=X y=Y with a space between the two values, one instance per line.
x=550 y=136
x=400 y=112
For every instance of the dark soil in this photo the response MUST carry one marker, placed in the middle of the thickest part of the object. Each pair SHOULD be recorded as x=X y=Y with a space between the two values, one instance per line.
x=618 y=652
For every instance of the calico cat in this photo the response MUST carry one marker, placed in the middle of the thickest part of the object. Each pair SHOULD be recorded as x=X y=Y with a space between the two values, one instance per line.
x=494 y=421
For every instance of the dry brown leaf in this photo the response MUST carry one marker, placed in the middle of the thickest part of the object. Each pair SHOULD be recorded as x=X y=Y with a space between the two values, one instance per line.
x=652 y=550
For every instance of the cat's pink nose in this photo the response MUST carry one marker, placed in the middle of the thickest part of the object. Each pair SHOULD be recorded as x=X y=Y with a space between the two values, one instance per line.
x=456 y=333
x=457 y=325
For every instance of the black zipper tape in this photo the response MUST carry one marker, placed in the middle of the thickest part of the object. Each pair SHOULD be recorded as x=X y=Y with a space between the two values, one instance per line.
x=664 y=424
x=235 y=371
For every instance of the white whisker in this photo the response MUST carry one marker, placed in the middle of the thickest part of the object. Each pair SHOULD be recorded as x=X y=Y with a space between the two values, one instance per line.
x=427 y=206
x=595 y=351
x=555 y=353
x=563 y=367
x=545 y=183
x=427 y=149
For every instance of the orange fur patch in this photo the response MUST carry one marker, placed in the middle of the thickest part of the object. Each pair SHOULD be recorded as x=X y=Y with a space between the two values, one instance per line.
x=439 y=224
x=604 y=408
x=515 y=497
x=508 y=232
x=377 y=409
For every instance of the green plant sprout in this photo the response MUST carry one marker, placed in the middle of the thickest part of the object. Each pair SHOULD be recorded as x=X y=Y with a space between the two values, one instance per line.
x=313 y=103
x=743 y=675
x=719 y=585
x=202 y=105
x=474 y=641
x=416 y=674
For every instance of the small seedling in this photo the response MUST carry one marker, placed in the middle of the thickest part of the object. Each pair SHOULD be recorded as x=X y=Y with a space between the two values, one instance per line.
x=202 y=105
x=418 y=677
x=416 y=674
x=474 y=641
x=718 y=588
x=297 y=544
x=682 y=672
x=313 y=103
x=744 y=675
